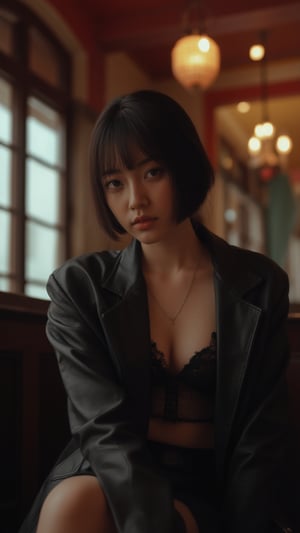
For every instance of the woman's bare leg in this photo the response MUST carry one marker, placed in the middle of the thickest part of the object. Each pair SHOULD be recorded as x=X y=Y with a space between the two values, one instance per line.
x=76 y=505
x=189 y=520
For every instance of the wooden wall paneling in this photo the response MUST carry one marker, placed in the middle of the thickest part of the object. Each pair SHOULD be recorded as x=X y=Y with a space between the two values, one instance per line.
x=10 y=416
x=53 y=424
x=23 y=334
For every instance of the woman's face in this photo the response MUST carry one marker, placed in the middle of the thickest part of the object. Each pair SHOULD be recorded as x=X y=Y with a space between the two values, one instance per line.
x=142 y=198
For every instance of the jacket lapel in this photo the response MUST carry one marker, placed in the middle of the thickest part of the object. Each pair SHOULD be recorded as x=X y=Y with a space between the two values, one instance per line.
x=126 y=324
x=237 y=322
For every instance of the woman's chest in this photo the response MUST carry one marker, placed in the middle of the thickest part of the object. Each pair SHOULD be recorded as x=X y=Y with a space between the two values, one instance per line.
x=178 y=340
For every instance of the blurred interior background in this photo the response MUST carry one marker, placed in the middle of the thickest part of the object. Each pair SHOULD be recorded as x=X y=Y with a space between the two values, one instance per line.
x=61 y=61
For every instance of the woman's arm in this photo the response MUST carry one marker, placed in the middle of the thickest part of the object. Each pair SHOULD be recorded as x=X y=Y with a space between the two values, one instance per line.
x=99 y=409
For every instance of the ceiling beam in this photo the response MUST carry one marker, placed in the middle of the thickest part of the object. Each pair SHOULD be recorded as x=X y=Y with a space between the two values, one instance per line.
x=161 y=28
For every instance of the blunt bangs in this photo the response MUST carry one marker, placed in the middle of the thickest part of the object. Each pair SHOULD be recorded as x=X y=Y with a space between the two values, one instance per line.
x=118 y=141
x=160 y=128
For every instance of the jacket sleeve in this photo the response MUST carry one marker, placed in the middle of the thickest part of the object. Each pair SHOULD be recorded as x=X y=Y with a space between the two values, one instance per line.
x=261 y=441
x=100 y=419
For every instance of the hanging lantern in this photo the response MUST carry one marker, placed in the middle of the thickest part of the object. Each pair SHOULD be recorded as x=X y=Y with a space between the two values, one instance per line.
x=195 y=61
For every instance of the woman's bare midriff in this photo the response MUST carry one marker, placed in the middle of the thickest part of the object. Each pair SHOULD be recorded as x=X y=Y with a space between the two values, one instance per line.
x=187 y=434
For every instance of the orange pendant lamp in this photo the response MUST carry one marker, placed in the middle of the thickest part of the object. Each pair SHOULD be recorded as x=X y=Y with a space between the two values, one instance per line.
x=195 y=61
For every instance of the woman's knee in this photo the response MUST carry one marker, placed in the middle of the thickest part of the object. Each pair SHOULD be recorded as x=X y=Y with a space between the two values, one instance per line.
x=76 y=504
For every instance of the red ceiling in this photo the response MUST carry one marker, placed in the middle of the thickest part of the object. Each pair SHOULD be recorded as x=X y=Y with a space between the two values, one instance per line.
x=147 y=29
x=120 y=8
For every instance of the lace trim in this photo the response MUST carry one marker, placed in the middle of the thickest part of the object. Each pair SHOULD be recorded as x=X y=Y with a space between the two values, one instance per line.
x=207 y=353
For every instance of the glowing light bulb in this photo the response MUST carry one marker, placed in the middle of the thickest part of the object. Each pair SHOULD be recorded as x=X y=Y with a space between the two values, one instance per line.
x=204 y=44
x=257 y=52
x=254 y=145
x=259 y=131
x=264 y=130
x=268 y=130
x=243 y=107
x=284 y=144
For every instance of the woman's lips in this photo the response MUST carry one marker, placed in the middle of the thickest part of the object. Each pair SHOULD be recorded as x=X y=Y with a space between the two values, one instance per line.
x=143 y=223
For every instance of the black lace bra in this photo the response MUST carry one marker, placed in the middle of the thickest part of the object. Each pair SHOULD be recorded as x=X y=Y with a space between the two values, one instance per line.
x=188 y=395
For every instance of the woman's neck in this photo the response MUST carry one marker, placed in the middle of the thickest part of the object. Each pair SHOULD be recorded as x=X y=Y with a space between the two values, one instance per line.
x=181 y=251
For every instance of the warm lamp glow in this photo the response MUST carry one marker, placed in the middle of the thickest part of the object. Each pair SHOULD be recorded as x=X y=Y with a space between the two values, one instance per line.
x=257 y=52
x=261 y=146
x=284 y=144
x=254 y=145
x=264 y=130
x=195 y=61
x=204 y=44
x=243 y=107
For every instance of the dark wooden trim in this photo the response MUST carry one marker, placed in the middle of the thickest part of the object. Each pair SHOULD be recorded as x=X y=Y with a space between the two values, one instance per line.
x=19 y=303
x=294 y=317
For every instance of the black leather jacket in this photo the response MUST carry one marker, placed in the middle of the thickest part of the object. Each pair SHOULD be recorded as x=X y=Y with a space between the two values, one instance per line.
x=99 y=327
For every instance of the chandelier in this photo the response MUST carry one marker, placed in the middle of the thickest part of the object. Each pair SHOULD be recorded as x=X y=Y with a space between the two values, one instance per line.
x=264 y=149
x=195 y=57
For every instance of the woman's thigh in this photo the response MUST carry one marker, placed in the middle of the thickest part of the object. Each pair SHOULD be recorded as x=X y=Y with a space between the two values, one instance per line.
x=76 y=505
x=188 y=518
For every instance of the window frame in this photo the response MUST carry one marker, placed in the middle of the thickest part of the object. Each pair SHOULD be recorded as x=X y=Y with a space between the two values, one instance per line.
x=15 y=70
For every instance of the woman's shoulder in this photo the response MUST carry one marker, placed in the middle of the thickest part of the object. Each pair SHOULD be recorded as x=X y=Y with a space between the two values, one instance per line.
x=87 y=268
x=238 y=264
x=257 y=262
x=237 y=257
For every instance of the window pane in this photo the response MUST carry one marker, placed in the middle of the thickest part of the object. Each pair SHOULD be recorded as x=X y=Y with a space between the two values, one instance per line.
x=5 y=176
x=6 y=32
x=4 y=284
x=44 y=59
x=5 y=225
x=44 y=137
x=36 y=291
x=42 y=251
x=5 y=112
x=42 y=192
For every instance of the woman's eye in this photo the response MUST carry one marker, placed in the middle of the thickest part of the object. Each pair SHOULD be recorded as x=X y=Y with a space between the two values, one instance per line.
x=113 y=184
x=155 y=172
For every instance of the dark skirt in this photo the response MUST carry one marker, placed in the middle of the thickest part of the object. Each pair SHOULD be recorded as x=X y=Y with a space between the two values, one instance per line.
x=192 y=476
x=191 y=473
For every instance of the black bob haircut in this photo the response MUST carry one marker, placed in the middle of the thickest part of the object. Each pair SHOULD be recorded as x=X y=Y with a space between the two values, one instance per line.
x=162 y=130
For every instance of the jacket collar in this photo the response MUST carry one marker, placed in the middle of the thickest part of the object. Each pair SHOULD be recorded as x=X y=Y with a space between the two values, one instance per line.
x=127 y=271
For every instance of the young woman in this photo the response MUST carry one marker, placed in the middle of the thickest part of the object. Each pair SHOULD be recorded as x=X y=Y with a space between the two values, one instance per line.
x=172 y=351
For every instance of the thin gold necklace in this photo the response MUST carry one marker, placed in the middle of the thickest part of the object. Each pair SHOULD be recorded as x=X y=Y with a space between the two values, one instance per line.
x=172 y=319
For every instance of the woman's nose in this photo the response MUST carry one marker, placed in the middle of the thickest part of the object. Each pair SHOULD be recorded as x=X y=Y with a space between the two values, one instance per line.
x=137 y=196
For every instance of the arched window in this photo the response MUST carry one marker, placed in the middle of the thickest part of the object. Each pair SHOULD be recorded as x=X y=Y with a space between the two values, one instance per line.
x=34 y=103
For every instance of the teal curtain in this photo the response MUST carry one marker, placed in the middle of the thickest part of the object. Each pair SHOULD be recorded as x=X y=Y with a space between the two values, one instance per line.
x=281 y=217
